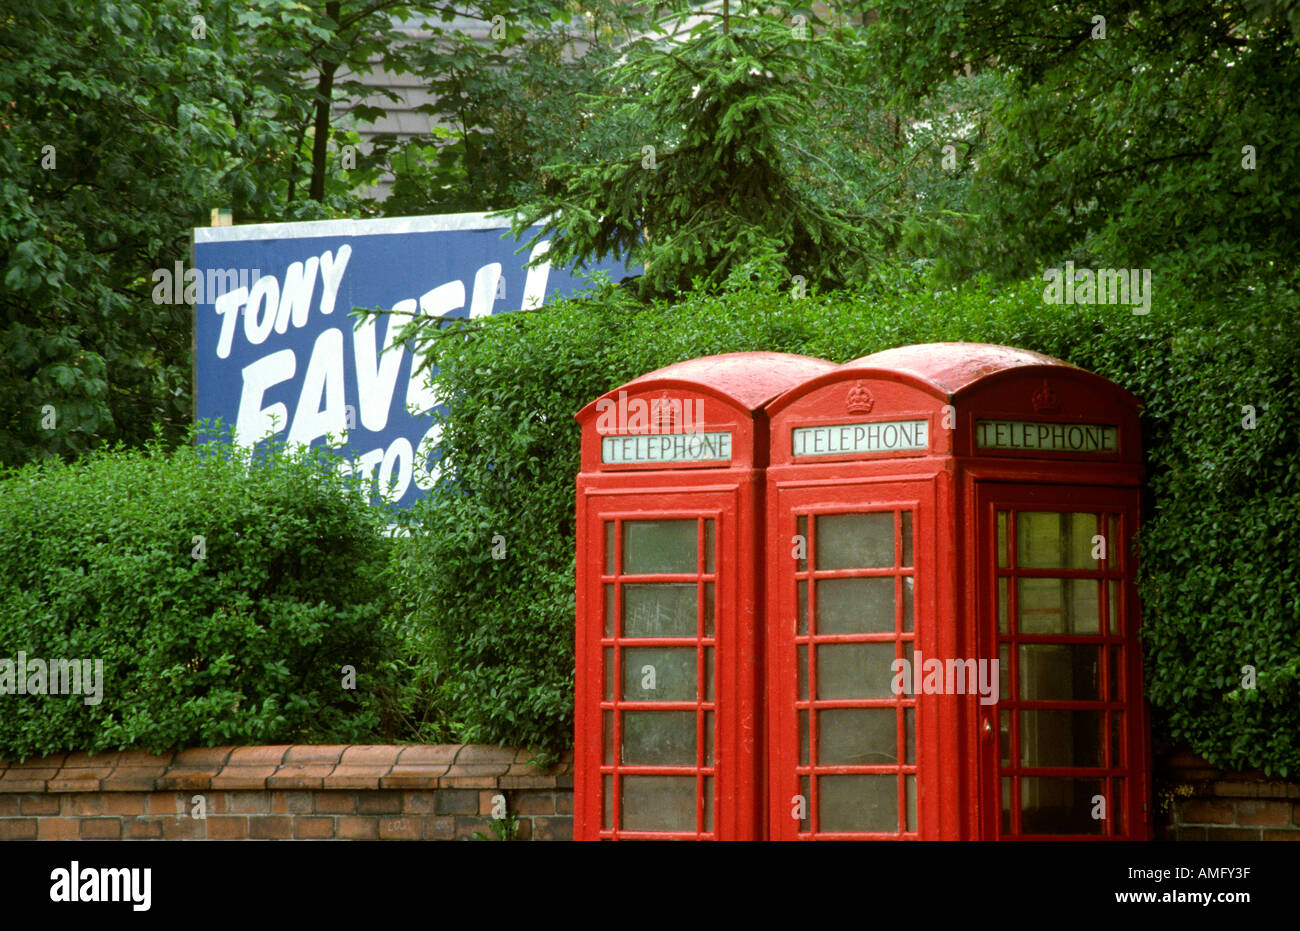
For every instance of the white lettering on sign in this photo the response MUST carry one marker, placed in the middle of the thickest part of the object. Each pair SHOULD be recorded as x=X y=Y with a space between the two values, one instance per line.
x=666 y=448
x=881 y=437
x=1047 y=437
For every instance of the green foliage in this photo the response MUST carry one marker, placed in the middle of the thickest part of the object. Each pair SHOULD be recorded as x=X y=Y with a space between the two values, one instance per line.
x=124 y=124
x=510 y=105
x=1126 y=149
x=712 y=128
x=503 y=829
x=1222 y=524
x=244 y=644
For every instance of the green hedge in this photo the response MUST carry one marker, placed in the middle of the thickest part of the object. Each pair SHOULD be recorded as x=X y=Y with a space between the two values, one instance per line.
x=1221 y=530
x=238 y=637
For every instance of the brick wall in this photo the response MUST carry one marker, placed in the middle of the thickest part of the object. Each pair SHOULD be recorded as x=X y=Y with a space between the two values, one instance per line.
x=445 y=793
x=300 y=792
x=1196 y=801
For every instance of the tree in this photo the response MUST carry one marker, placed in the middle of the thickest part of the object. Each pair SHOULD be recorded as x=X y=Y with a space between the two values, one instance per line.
x=506 y=106
x=116 y=117
x=720 y=122
x=1158 y=134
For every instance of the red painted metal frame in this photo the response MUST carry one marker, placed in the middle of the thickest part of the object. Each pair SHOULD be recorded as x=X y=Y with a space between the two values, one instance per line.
x=731 y=389
x=952 y=386
x=988 y=497
x=950 y=487
x=786 y=500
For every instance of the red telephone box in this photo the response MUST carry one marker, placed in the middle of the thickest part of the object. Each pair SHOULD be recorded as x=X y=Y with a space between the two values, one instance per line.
x=669 y=544
x=952 y=644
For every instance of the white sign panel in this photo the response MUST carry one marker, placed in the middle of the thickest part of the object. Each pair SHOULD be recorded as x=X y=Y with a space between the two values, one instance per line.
x=843 y=439
x=665 y=448
x=1047 y=437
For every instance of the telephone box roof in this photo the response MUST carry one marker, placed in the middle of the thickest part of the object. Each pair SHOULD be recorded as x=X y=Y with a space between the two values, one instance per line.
x=749 y=379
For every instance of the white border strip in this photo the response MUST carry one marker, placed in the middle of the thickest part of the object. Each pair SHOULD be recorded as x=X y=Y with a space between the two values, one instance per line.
x=377 y=227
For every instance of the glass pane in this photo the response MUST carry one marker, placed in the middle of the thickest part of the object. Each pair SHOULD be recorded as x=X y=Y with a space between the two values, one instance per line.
x=854 y=670
x=1083 y=599
x=801 y=661
x=660 y=546
x=1007 y=807
x=858 y=803
x=659 y=674
x=708 y=544
x=609 y=673
x=907 y=538
x=659 y=738
x=607 y=794
x=803 y=736
x=801 y=528
x=1059 y=672
x=1117 y=740
x=1002 y=539
x=607 y=737
x=708 y=609
x=804 y=783
x=907 y=604
x=658 y=803
x=1082 y=529
x=609 y=547
x=1114 y=607
x=909 y=724
x=1053 y=540
x=1058 y=606
x=662 y=609
x=708 y=673
x=1002 y=606
x=609 y=611
x=1116 y=692
x=1004 y=671
x=801 y=596
x=1114 y=545
x=855 y=606
x=1050 y=805
x=708 y=738
x=1038 y=539
x=1116 y=805
x=1004 y=737
x=708 y=803
x=1060 y=738
x=910 y=786
x=857 y=737
x=855 y=541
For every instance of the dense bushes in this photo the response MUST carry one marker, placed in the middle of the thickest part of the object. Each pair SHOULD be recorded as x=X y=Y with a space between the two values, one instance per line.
x=1222 y=526
x=222 y=595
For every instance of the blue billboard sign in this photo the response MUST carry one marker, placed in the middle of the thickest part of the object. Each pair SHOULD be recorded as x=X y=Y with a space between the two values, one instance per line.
x=277 y=353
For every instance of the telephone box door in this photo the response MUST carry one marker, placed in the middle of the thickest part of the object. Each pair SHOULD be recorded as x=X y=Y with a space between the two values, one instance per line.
x=854 y=563
x=669 y=643
x=1058 y=609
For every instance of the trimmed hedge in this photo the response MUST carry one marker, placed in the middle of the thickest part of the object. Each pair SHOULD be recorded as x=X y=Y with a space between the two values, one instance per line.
x=237 y=637
x=1218 y=574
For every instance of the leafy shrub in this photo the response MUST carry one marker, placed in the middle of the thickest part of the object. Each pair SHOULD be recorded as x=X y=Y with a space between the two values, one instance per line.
x=223 y=594
x=1218 y=576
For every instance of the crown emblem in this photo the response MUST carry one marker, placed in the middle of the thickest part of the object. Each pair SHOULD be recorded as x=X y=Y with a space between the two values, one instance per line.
x=860 y=400
x=665 y=414
x=1044 y=399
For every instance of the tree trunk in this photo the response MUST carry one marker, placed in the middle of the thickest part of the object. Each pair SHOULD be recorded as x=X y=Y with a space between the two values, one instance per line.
x=324 y=101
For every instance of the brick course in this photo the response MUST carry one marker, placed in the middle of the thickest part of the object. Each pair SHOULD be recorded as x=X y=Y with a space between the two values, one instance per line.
x=1196 y=801
x=285 y=792
x=445 y=793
